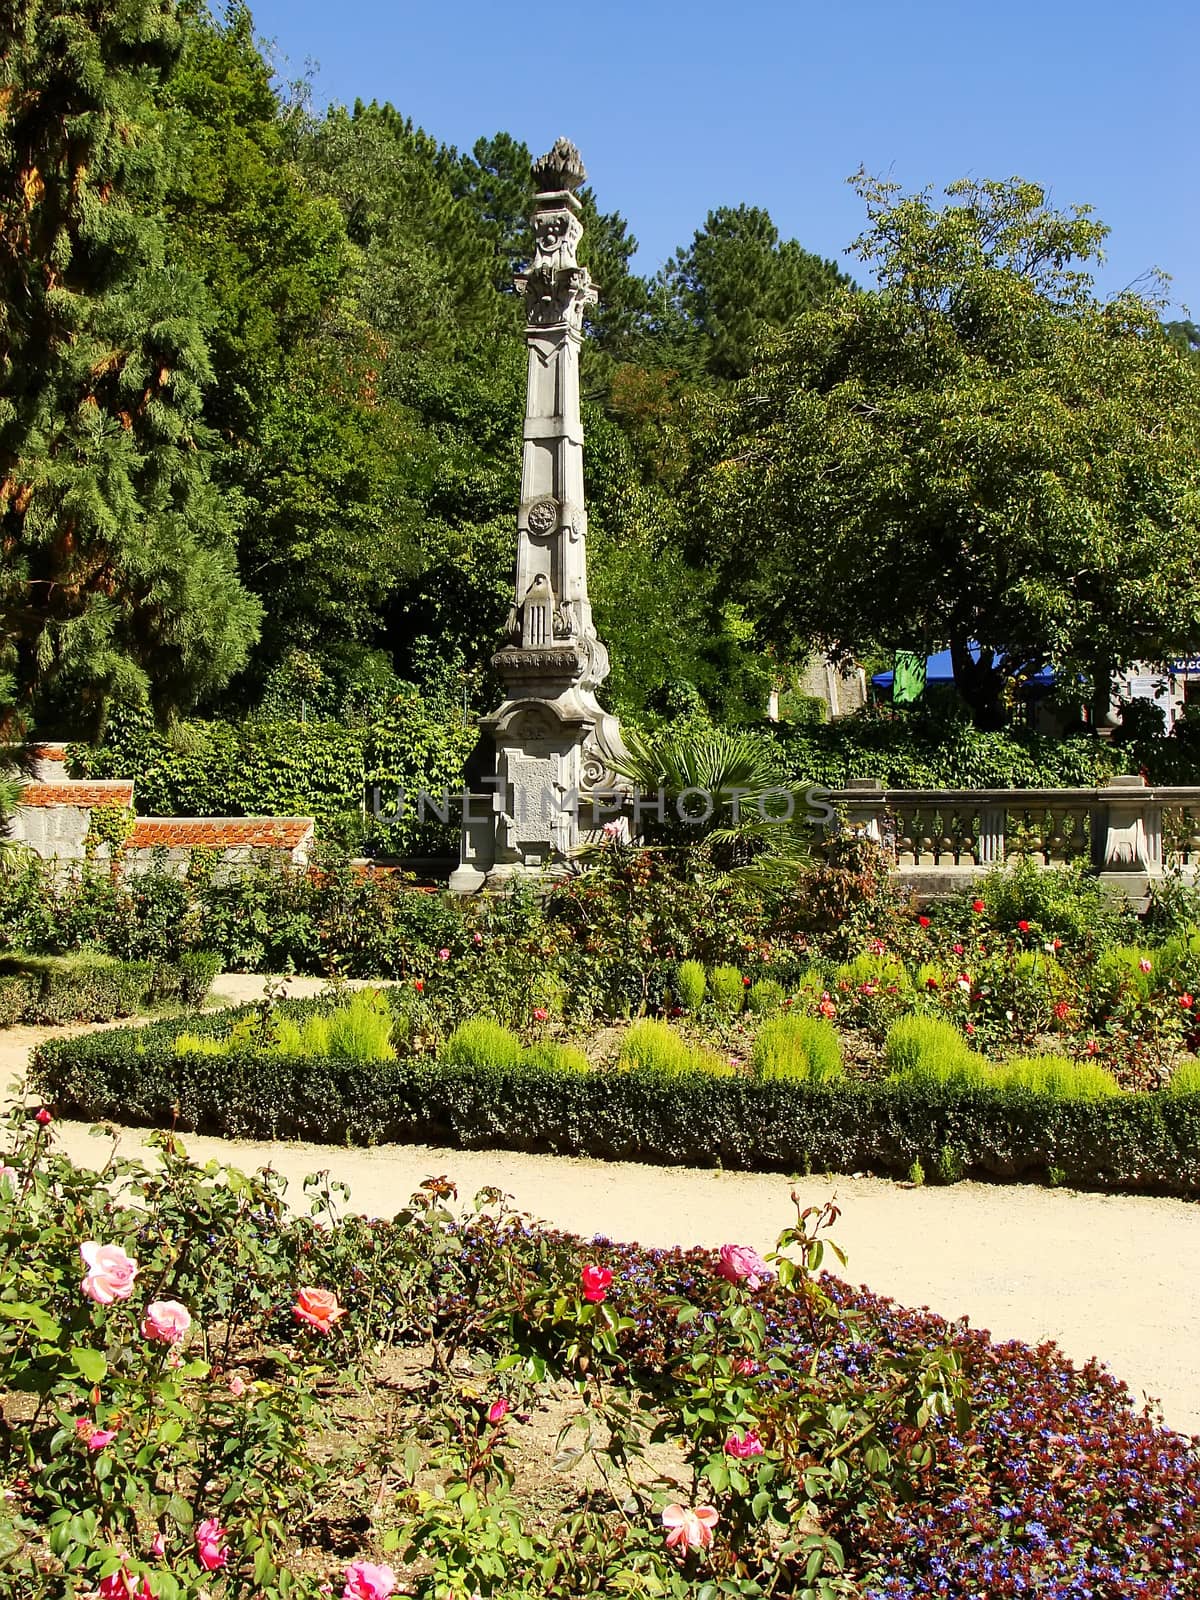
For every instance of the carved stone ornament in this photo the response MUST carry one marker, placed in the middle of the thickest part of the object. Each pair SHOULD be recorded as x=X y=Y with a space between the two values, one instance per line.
x=543 y=516
x=560 y=168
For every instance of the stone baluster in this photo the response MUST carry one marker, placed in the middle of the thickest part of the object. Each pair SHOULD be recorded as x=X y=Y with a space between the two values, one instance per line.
x=993 y=821
x=867 y=818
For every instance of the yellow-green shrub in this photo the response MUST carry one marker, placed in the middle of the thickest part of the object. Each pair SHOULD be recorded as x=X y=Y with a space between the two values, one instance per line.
x=931 y=1050
x=1058 y=1076
x=480 y=1042
x=807 y=1048
x=657 y=1046
x=690 y=985
x=764 y=997
x=727 y=989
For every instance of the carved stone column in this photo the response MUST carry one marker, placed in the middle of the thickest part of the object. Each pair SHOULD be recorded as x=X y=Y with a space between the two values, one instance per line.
x=550 y=743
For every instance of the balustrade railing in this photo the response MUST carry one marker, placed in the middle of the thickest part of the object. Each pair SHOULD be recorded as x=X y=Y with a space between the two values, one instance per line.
x=1123 y=827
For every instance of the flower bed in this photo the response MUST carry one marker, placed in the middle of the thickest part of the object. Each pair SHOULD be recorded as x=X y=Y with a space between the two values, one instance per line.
x=1134 y=1141
x=206 y=1395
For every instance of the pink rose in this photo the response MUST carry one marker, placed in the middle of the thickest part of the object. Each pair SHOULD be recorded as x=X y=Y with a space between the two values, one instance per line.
x=121 y=1585
x=738 y=1263
x=366 y=1581
x=237 y=1386
x=158 y=1548
x=212 y=1544
x=499 y=1409
x=688 y=1527
x=743 y=1445
x=110 y=1272
x=443 y=955
x=10 y=1181
x=1145 y=966
x=166 y=1321
x=477 y=938
x=540 y=1013
x=319 y=1308
x=596 y=1281
x=94 y=1437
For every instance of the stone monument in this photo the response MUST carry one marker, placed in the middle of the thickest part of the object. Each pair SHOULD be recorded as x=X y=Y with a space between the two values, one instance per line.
x=548 y=750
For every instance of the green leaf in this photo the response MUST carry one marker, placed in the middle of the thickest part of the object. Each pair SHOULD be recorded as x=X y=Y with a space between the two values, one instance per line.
x=90 y=1364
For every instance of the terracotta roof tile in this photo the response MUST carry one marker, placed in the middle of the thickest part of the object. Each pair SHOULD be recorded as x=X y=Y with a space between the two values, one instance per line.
x=117 y=792
x=257 y=833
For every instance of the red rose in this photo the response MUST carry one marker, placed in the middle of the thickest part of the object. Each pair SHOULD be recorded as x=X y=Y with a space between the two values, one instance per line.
x=596 y=1281
x=923 y=921
x=976 y=905
x=419 y=985
x=43 y=1118
x=1023 y=926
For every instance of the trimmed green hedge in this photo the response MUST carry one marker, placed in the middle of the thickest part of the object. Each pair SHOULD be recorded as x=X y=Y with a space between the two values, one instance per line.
x=1143 y=1142
x=87 y=987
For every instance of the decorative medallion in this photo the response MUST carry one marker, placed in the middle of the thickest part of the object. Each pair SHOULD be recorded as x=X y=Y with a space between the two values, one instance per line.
x=543 y=517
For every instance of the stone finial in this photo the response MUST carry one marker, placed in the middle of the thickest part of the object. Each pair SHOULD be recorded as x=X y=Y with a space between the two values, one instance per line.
x=559 y=169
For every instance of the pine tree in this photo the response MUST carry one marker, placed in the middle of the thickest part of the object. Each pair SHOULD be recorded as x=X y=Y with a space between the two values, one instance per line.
x=117 y=580
x=732 y=284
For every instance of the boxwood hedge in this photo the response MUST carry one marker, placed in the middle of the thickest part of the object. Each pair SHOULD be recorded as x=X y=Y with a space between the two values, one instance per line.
x=1142 y=1142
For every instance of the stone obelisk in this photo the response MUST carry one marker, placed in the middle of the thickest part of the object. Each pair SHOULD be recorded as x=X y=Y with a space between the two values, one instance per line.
x=550 y=744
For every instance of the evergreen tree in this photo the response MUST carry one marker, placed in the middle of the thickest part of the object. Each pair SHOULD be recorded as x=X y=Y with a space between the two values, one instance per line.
x=118 y=576
x=735 y=282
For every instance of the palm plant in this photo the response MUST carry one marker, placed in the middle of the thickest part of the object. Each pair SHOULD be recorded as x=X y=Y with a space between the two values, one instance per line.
x=717 y=791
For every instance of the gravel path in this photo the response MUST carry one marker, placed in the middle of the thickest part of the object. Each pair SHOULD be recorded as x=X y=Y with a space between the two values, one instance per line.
x=1114 y=1276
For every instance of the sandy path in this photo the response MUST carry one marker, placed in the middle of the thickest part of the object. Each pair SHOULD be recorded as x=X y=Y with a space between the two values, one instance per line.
x=1115 y=1276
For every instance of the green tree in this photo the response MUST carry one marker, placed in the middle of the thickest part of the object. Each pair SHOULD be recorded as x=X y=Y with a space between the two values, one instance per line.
x=118 y=577
x=734 y=283
x=979 y=450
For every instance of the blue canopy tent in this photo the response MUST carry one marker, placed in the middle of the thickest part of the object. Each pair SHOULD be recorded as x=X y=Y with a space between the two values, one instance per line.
x=938 y=669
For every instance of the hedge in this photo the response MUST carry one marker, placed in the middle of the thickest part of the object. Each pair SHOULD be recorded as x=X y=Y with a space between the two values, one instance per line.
x=87 y=987
x=1143 y=1142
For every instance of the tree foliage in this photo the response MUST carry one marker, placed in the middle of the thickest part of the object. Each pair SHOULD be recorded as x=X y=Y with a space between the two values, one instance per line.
x=980 y=451
x=118 y=575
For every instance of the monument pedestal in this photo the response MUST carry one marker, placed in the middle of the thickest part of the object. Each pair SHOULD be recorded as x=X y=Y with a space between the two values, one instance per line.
x=550 y=744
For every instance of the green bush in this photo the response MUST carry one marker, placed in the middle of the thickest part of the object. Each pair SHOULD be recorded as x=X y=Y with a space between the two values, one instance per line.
x=546 y=1056
x=1058 y=1076
x=1186 y=1077
x=930 y=1050
x=1067 y=903
x=362 y=1030
x=806 y=1049
x=88 y=987
x=765 y=997
x=1147 y=1142
x=479 y=1042
x=17 y=997
x=654 y=1046
x=1119 y=972
x=885 y=970
x=690 y=985
x=728 y=990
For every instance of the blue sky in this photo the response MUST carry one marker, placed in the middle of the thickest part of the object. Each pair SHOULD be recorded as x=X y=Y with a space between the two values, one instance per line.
x=680 y=108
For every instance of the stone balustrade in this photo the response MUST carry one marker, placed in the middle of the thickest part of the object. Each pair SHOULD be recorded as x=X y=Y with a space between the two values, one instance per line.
x=1129 y=831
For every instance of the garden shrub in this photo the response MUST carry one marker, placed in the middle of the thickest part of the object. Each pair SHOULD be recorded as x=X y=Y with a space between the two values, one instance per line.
x=806 y=1049
x=1186 y=1077
x=870 y=967
x=1067 y=903
x=89 y=987
x=728 y=990
x=548 y=1056
x=362 y=1030
x=930 y=1050
x=690 y=985
x=479 y=1042
x=1144 y=1141
x=765 y=996
x=654 y=1046
x=1058 y=1076
x=1126 y=970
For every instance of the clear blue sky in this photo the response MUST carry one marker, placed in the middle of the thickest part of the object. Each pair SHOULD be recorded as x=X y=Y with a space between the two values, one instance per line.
x=680 y=108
